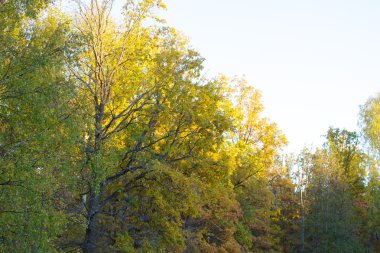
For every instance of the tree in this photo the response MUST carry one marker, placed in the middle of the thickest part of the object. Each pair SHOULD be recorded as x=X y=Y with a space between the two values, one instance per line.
x=149 y=120
x=303 y=169
x=369 y=122
x=36 y=118
x=335 y=217
x=254 y=148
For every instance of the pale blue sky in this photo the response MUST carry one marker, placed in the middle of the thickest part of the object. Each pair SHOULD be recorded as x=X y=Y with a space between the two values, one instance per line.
x=314 y=61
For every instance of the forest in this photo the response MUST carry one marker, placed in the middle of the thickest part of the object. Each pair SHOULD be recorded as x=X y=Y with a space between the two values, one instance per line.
x=112 y=139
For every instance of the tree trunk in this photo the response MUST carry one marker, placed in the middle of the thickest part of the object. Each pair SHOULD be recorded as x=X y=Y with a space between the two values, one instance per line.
x=89 y=245
x=92 y=232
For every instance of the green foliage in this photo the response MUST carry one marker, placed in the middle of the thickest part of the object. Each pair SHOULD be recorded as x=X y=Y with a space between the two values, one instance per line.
x=336 y=211
x=370 y=121
x=124 y=243
x=243 y=236
x=37 y=128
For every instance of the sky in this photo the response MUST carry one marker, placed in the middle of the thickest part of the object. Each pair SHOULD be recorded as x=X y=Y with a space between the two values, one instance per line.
x=315 y=62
